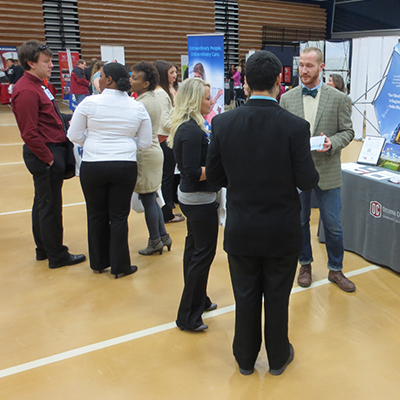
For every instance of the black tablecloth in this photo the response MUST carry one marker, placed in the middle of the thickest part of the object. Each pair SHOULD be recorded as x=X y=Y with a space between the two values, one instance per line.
x=371 y=218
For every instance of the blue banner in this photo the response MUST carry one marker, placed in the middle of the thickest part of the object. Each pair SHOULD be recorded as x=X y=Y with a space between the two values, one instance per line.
x=387 y=106
x=206 y=61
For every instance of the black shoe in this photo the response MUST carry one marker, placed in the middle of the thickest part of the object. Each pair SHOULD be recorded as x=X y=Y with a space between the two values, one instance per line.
x=290 y=359
x=132 y=270
x=200 y=328
x=71 y=259
x=246 y=371
x=212 y=307
x=99 y=271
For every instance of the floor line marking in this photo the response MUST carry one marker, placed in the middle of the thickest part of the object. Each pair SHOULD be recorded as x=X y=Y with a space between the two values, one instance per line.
x=142 y=333
x=12 y=144
x=24 y=211
x=12 y=163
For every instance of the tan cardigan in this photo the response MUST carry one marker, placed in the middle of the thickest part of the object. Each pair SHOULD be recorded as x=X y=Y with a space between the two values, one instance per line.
x=150 y=161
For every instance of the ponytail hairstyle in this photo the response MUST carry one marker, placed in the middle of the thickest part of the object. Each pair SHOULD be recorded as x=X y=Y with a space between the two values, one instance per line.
x=119 y=75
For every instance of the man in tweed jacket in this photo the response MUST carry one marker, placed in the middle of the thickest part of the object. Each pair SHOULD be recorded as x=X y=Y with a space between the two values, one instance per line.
x=327 y=111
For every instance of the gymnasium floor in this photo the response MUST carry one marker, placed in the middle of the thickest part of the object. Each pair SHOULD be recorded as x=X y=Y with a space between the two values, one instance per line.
x=73 y=334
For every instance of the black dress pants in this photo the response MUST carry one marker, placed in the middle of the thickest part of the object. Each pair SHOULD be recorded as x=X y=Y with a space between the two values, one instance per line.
x=253 y=278
x=167 y=183
x=108 y=188
x=200 y=247
x=47 y=225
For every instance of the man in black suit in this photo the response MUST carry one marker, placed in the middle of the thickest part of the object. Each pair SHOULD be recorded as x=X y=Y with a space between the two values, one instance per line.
x=261 y=154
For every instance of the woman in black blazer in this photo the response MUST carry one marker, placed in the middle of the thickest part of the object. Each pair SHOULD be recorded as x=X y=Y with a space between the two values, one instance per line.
x=197 y=199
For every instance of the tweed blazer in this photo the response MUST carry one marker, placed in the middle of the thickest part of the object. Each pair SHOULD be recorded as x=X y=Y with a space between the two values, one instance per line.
x=333 y=120
x=150 y=160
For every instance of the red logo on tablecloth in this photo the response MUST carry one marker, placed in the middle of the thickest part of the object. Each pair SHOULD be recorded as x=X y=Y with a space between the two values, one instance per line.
x=375 y=209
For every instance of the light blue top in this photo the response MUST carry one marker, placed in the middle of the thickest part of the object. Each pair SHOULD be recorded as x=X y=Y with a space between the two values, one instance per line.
x=95 y=76
x=262 y=98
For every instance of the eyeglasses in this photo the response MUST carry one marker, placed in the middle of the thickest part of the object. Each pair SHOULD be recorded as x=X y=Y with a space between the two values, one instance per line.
x=42 y=47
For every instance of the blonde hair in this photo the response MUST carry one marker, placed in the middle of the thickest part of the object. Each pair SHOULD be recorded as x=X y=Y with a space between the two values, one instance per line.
x=187 y=105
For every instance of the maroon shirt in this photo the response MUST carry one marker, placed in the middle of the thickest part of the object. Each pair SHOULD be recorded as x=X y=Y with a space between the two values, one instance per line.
x=36 y=117
x=79 y=84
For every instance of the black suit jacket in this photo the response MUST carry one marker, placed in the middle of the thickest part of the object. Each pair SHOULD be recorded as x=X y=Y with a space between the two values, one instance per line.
x=261 y=154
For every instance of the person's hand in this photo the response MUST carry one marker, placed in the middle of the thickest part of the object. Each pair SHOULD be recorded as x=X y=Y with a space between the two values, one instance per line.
x=327 y=144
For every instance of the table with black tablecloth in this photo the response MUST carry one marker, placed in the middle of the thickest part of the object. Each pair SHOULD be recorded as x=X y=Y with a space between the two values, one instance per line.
x=371 y=218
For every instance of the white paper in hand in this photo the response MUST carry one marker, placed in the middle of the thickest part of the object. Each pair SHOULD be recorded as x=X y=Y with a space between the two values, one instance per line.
x=317 y=142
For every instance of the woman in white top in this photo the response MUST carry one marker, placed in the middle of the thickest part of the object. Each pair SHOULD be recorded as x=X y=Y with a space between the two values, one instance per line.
x=165 y=97
x=110 y=127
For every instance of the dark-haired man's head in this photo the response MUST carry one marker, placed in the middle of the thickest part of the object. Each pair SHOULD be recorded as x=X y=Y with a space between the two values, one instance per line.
x=262 y=71
x=30 y=51
x=81 y=64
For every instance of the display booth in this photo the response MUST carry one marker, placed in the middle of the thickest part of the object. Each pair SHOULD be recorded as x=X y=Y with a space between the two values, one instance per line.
x=370 y=214
x=370 y=58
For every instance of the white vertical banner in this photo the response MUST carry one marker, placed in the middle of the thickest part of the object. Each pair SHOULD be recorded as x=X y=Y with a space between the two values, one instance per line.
x=184 y=64
x=374 y=75
x=357 y=88
x=113 y=53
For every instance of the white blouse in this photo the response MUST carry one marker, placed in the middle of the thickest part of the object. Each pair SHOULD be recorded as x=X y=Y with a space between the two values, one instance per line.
x=110 y=127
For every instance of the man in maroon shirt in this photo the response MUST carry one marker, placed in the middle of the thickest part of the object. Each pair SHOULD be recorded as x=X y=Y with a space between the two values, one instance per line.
x=44 y=152
x=79 y=84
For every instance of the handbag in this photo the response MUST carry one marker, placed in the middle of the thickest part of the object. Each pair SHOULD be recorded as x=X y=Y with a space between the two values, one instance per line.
x=221 y=200
x=70 y=163
x=136 y=203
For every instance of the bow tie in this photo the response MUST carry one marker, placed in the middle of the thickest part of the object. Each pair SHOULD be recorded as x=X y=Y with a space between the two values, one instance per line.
x=309 y=92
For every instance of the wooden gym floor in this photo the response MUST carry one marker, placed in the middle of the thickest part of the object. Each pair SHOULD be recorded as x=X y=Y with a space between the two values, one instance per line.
x=73 y=334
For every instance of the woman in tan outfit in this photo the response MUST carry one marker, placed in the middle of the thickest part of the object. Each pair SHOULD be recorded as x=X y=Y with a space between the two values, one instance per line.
x=150 y=161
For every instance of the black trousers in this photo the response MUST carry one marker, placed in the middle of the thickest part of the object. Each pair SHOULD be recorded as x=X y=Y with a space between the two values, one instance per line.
x=167 y=183
x=253 y=278
x=108 y=188
x=200 y=247
x=47 y=224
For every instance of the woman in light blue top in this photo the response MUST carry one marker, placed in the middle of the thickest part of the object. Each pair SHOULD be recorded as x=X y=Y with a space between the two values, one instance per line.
x=95 y=78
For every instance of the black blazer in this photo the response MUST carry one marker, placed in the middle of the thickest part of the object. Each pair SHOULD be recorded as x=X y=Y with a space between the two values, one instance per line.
x=261 y=153
x=190 y=151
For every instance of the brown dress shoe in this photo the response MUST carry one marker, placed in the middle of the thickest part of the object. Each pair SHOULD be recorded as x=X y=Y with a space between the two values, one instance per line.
x=304 y=279
x=345 y=284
